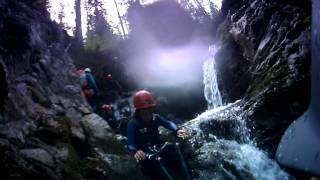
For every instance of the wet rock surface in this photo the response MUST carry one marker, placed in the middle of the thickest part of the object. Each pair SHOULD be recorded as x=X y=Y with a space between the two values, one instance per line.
x=220 y=147
x=47 y=130
x=264 y=59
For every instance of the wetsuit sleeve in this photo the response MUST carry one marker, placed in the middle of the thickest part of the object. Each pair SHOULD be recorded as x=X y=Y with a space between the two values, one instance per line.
x=131 y=133
x=92 y=82
x=167 y=124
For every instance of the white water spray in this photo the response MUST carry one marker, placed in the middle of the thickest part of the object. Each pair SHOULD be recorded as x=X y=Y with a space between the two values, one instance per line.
x=211 y=90
x=230 y=155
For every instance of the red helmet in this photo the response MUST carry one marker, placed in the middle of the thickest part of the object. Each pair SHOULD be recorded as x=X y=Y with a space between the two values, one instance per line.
x=143 y=99
x=109 y=77
x=107 y=107
x=87 y=93
x=80 y=72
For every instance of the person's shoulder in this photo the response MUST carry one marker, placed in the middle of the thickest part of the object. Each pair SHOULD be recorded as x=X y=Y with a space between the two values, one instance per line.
x=157 y=115
x=132 y=123
x=158 y=118
x=87 y=75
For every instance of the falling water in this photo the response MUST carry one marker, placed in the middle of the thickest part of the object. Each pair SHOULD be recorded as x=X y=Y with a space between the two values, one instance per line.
x=223 y=141
x=225 y=150
x=211 y=90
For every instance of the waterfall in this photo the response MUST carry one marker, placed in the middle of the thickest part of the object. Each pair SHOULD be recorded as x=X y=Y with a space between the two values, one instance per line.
x=222 y=141
x=225 y=148
x=211 y=90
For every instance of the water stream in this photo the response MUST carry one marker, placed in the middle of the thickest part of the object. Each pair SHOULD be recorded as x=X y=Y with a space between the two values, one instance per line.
x=223 y=145
x=211 y=90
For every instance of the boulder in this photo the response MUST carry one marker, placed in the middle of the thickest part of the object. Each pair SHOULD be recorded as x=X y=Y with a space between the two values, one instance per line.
x=39 y=155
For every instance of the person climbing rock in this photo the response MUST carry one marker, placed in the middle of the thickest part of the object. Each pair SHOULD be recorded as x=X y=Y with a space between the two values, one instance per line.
x=83 y=82
x=157 y=160
x=114 y=89
x=125 y=115
x=91 y=81
x=117 y=121
x=109 y=116
x=90 y=88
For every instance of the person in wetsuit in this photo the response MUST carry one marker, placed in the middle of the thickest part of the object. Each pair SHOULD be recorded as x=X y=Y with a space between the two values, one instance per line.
x=144 y=140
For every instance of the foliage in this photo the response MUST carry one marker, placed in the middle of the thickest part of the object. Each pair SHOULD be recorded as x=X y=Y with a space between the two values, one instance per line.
x=170 y=18
x=177 y=26
x=99 y=33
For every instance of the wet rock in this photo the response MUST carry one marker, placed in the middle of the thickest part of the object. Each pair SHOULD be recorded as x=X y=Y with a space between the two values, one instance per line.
x=77 y=133
x=73 y=115
x=123 y=166
x=97 y=127
x=121 y=139
x=47 y=130
x=232 y=71
x=100 y=134
x=39 y=97
x=268 y=64
x=39 y=155
x=214 y=154
x=63 y=154
x=84 y=110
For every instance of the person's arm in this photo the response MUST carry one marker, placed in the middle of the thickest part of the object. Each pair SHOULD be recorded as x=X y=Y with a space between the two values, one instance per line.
x=138 y=154
x=180 y=132
x=92 y=82
x=131 y=138
x=167 y=124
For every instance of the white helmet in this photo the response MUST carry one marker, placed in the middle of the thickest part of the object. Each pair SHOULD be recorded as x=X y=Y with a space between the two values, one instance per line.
x=87 y=70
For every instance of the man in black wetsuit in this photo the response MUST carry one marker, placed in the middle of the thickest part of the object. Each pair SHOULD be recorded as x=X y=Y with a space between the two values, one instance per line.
x=144 y=139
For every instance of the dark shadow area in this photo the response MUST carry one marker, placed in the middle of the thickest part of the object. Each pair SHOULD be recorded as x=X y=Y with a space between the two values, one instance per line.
x=3 y=88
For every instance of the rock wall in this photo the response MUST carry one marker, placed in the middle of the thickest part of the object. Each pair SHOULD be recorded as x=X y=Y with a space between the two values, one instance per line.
x=47 y=130
x=264 y=59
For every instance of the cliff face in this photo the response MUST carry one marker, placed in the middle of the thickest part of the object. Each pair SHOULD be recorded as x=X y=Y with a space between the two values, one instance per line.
x=264 y=58
x=47 y=130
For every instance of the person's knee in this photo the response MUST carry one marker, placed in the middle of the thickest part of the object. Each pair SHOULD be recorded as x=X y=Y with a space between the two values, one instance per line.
x=148 y=163
x=150 y=168
x=170 y=146
x=174 y=147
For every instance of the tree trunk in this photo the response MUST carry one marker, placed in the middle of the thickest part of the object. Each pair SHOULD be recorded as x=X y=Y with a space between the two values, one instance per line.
x=78 y=33
x=201 y=7
x=120 y=19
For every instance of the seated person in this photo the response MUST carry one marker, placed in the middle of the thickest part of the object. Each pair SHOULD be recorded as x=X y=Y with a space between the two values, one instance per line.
x=144 y=139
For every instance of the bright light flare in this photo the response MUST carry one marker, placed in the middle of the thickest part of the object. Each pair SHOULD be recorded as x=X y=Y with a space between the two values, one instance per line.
x=170 y=66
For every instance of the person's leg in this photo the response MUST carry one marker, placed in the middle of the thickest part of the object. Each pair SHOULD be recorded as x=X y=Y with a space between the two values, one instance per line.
x=172 y=153
x=154 y=169
x=165 y=174
x=98 y=102
x=91 y=102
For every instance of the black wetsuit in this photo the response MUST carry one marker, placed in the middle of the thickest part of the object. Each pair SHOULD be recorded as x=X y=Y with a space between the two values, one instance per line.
x=170 y=163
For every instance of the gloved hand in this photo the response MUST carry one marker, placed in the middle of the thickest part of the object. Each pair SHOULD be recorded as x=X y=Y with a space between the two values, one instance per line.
x=139 y=155
x=183 y=133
